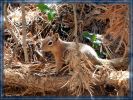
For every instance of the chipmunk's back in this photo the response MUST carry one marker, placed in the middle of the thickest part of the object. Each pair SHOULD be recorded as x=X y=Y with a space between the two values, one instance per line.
x=85 y=49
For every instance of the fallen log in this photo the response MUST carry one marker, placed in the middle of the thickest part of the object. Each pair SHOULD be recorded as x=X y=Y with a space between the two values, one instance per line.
x=21 y=82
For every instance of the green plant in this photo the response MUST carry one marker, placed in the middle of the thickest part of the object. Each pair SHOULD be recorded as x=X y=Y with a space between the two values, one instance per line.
x=50 y=12
x=96 y=43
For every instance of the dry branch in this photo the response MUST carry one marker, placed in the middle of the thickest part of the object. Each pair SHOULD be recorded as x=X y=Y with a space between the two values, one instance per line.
x=7 y=24
x=24 y=33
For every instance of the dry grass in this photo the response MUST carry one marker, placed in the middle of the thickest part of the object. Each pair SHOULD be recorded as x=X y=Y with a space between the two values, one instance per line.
x=118 y=16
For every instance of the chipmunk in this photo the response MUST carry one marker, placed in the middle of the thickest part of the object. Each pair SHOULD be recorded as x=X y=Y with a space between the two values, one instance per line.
x=57 y=46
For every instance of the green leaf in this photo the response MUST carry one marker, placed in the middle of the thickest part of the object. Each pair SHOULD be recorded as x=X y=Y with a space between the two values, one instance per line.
x=43 y=7
x=93 y=37
x=85 y=34
x=97 y=42
x=95 y=46
x=50 y=12
x=98 y=53
x=51 y=16
x=101 y=54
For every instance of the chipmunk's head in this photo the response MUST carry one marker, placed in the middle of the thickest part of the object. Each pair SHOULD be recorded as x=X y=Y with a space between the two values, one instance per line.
x=50 y=43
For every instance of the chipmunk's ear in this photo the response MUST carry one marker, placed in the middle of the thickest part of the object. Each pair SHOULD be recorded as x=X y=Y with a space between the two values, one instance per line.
x=56 y=36
x=50 y=33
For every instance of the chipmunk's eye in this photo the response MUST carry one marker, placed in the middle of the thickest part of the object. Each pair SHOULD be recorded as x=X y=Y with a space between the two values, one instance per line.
x=50 y=43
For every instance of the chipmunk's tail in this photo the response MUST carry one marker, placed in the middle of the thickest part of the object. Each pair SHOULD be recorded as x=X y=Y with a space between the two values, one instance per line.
x=118 y=63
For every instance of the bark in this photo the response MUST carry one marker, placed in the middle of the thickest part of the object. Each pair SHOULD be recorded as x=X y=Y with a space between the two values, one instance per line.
x=22 y=78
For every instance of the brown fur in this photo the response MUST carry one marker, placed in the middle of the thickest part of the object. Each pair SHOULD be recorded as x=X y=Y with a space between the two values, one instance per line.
x=59 y=46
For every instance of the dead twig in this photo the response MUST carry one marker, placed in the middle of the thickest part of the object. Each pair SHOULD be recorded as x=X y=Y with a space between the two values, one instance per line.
x=24 y=33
